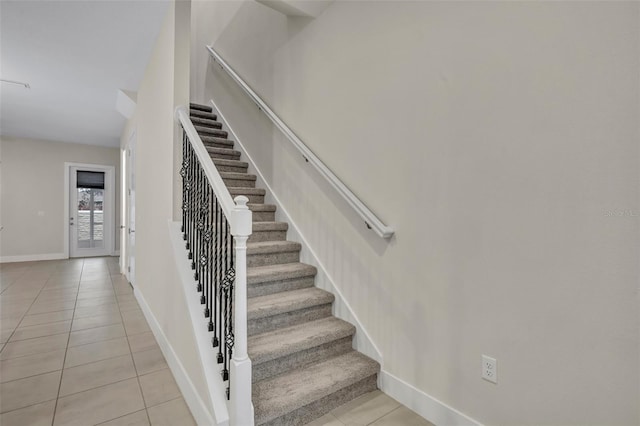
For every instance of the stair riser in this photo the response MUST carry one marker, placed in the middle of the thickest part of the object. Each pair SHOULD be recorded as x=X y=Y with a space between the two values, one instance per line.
x=322 y=406
x=201 y=114
x=204 y=131
x=262 y=325
x=300 y=359
x=230 y=156
x=267 y=236
x=198 y=107
x=203 y=122
x=264 y=216
x=263 y=289
x=239 y=183
x=235 y=169
x=218 y=145
x=265 y=259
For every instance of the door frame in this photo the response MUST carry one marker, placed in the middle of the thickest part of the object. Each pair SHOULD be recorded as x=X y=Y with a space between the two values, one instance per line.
x=127 y=253
x=110 y=189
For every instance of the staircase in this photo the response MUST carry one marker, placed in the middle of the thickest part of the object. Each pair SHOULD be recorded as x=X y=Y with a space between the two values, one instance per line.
x=302 y=358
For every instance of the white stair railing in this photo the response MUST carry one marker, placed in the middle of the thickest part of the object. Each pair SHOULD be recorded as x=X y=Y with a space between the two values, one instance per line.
x=370 y=219
x=215 y=230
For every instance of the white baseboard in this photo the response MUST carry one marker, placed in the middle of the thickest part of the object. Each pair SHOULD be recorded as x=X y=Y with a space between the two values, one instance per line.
x=192 y=398
x=341 y=308
x=33 y=257
x=437 y=412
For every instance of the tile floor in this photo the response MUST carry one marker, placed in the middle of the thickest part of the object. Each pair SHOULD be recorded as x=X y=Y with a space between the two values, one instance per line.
x=77 y=350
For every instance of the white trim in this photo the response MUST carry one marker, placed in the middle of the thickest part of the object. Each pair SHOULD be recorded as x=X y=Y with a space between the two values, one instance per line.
x=33 y=257
x=206 y=353
x=370 y=219
x=341 y=308
x=425 y=405
x=189 y=391
x=111 y=206
x=115 y=253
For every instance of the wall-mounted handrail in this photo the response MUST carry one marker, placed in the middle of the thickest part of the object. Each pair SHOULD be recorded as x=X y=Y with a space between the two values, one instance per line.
x=370 y=219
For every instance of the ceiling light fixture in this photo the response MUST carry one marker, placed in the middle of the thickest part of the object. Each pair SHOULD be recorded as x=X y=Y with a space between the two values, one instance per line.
x=19 y=83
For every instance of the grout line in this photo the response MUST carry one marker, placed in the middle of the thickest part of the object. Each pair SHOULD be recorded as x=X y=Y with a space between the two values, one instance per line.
x=135 y=367
x=55 y=409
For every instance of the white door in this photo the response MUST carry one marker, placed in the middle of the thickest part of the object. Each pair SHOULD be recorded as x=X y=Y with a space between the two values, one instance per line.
x=90 y=218
x=131 y=203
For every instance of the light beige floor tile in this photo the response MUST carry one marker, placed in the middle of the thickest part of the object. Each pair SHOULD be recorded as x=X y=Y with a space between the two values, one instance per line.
x=98 y=351
x=5 y=334
x=23 y=333
x=32 y=390
x=139 y=418
x=45 y=318
x=31 y=365
x=171 y=413
x=148 y=361
x=132 y=314
x=143 y=342
x=326 y=420
x=98 y=301
x=129 y=306
x=97 y=294
x=98 y=334
x=100 y=404
x=63 y=292
x=95 y=374
x=54 y=285
x=136 y=326
x=158 y=387
x=95 y=321
x=34 y=415
x=34 y=346
x=92 y=311
x=402 y=416
x=366 y=408
x=45 y=307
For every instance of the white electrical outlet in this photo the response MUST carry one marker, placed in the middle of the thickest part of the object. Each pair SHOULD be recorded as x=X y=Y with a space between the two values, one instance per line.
x=489 y=369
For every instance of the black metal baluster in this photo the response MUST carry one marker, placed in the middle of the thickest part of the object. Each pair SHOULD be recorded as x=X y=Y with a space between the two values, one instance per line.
x=212 y=217
x=206 y=256
x=220 y=289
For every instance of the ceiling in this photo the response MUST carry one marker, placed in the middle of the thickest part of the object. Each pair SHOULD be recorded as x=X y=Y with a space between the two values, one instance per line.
x=75 y=55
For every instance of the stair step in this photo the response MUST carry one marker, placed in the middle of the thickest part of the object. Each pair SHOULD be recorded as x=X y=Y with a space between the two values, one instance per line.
x=264 y=280
x=230 y=165
x=202 y=114
x=304 y=394
x=223 y=153
x=269 y=231
x=206 y=131
x=200 y=107
x=216 y=142
x=255 y=195
x=242 y=180
x=205 y=122
x=263 y=212
x=287 y=308
x=272 y=253
x=277 y=351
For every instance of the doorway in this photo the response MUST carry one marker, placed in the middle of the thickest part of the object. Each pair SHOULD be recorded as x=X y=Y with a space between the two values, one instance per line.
x=90 y=210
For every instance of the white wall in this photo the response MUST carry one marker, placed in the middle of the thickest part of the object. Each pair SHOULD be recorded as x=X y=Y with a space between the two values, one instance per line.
x=32 y=179
x=500 y=140
x=156 y=277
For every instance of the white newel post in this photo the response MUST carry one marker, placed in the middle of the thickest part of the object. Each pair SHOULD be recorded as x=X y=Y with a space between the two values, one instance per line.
x=241 y=410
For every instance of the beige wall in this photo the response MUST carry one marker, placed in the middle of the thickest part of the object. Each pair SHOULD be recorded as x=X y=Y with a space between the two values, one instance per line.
x=32 y=179
x=156 y=277
x=500 y=140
